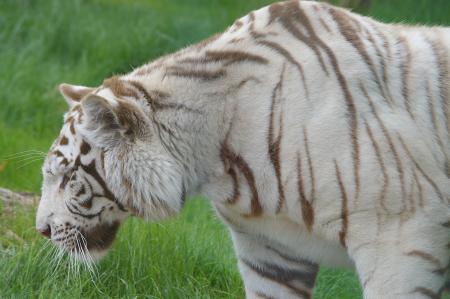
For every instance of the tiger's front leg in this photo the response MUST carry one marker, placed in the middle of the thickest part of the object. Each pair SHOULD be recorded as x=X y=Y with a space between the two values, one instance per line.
x=272 y=272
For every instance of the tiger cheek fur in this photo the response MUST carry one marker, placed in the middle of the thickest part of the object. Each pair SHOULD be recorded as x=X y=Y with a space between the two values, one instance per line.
x=319 y=136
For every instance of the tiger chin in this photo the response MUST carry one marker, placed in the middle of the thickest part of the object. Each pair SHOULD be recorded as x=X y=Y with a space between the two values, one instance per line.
x=319 y=136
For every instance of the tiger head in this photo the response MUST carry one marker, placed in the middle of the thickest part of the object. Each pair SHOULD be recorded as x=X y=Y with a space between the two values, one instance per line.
x=105 y=165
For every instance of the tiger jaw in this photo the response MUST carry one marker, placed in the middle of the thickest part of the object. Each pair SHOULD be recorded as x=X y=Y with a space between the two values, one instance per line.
x=86 y=245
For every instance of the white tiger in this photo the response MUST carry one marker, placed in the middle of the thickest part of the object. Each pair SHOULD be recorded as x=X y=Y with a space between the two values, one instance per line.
x=319 y=136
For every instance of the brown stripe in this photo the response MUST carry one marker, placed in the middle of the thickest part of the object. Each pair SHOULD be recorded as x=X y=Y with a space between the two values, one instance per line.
x=64 y=181
x=235 y=159
x=344 y=209
x=236 y=40
x=386 y=45
x=92 y=171
x=118 y=88
x=57 y=153
x=263 y=295
x=324 y=25
x=426 y=292
x=238 y=24
x=64 y=162
x=149 y=95
x=386 y=134
x=419 y=187
x=382 y=61
x=412 y=208
x=382 y=166
x=307 y=208
x=406 y=70
x=425 y=256
x=64 y=141
x=295 y=13
x=255 y=34
x=349 y=32
x=227 y=57
x=433 y=113
x=234 y=57
x=442 y=64
x=274 y=144
x=424 y=174
x=195 y=74
x=288 y=56
x=72 y=126
x=289 y=12
x=434 y=121
x=236 y=192
x=102 y=160
x=310 y=166
x=85 y=147
x=154 y=97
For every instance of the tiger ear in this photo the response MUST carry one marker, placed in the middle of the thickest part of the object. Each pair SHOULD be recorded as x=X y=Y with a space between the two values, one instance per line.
x=74 y=93
x=107 y=124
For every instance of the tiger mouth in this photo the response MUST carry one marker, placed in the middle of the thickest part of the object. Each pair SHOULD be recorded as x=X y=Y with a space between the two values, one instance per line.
x=79 y=241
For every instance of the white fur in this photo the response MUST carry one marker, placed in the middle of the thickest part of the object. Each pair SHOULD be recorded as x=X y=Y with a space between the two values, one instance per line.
x=382 y=237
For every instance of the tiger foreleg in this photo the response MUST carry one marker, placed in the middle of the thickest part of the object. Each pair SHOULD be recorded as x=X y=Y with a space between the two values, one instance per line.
x=272 y=272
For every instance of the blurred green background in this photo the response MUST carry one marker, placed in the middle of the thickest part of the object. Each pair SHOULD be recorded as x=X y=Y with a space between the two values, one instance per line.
x=46 y=42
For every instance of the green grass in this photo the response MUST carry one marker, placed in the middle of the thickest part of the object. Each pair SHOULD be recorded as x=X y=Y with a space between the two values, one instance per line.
x=46 y=42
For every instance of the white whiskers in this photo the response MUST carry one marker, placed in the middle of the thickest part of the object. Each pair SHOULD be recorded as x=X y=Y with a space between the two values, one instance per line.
x=25 y=158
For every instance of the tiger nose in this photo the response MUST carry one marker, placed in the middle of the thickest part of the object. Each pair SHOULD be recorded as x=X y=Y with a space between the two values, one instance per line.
x=46 y=231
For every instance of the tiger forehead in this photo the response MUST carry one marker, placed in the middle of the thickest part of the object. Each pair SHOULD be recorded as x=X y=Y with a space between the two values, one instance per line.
x=75 y=114
x=68 y=136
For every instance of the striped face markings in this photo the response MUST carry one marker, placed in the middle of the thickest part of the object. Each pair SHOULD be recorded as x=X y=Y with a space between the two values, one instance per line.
x=75 y=190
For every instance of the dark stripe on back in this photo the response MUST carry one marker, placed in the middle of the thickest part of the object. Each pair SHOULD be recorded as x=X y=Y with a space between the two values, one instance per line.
x=294 y=13
x=154 y=98
x=227 y=57
x=274 y=143
x=204 y=75
x=424 y=174
x=442 y=64
x=288 y=56
x=118 y=87
x=346 y=27
x=380 y=161
x=287 y=14
x=406 y=70
x=388 y=138
x=263 y=295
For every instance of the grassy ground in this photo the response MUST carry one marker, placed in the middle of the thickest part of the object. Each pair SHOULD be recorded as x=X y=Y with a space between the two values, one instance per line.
x=45 y=42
